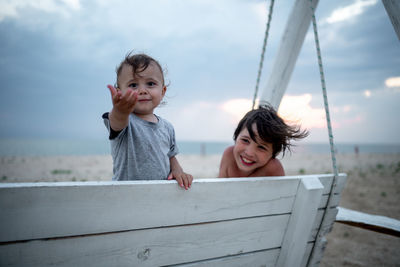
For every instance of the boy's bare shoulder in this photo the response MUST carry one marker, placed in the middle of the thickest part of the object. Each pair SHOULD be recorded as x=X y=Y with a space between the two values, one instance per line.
x=272 y=168
x=228 y=151
x=276 y=168
x=226 y=162
x=227 y=156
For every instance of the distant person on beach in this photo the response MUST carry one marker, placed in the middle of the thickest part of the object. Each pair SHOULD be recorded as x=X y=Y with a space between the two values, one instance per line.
x=356 y=150
x=259 y=137
x=143 y=145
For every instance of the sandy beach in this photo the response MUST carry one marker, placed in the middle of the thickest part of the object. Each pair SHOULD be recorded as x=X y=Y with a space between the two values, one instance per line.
x=373 y=186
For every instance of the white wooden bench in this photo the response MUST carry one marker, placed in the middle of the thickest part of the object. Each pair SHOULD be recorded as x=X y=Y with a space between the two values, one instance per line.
x=272 y=221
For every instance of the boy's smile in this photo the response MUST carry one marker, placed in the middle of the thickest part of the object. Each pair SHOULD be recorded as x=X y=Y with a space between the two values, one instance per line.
x=246 y=161
x=250 y=155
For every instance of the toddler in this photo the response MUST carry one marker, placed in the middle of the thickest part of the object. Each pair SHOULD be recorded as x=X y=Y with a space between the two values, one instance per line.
x=143 y=145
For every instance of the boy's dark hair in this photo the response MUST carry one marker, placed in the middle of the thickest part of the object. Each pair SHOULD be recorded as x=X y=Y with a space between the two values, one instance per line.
x=271 y=129
x=139 y=63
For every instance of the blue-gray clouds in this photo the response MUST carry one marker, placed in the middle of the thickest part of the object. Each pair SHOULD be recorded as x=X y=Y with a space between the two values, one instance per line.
x=56 y=58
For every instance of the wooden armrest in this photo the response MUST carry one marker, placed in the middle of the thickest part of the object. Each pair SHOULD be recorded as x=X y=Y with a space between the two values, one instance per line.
x=380 y=224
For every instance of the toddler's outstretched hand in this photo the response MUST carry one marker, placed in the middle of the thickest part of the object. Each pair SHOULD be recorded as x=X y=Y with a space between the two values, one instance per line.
x=123 y=102
x=182 y=178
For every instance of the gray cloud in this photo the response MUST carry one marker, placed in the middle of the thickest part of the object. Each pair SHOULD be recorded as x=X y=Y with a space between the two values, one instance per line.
x=55 y=61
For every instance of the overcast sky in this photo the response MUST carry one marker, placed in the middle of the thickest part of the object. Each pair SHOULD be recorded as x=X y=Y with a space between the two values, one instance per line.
x=57 y=56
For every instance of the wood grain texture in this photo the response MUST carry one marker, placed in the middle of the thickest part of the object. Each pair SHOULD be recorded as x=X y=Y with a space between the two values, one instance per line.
x=44 y=210
x=333 y=187
x=393 y=10
x=218 y=222
x=152 y=247
x=380 y=224
x=259 y=258
x=289 y=49
x=300 y=222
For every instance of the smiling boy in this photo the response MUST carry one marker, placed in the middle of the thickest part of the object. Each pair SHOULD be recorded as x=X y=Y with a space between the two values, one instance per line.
x=259 y=137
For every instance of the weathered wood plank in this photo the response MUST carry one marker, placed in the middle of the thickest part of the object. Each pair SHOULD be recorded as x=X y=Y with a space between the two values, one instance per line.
x=381 y=224
x=326 y=181
x=152 y=247
x=326 y=226
x=205 y=226
x=317 y=252
x=393 y=9
x=335 y=200
x=258 y=258
x=289 y=49
x=119 y=206
x=299 y=227
x=307 y=254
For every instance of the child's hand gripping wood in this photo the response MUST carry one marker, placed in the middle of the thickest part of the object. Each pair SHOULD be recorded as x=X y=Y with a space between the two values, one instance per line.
x=183 y=179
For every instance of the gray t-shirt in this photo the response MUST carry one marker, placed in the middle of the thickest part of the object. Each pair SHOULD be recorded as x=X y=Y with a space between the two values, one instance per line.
x=142 y=150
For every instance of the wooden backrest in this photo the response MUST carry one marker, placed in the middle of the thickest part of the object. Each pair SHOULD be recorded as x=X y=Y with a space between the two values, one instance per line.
x=218 y=222
x=323 y=223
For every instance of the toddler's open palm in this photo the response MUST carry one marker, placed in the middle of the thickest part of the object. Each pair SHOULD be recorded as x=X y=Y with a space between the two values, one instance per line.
x=123 y=102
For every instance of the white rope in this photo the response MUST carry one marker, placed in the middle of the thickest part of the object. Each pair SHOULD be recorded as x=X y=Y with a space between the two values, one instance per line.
x=271 y=7
x=328 y=121
x=321 y=72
